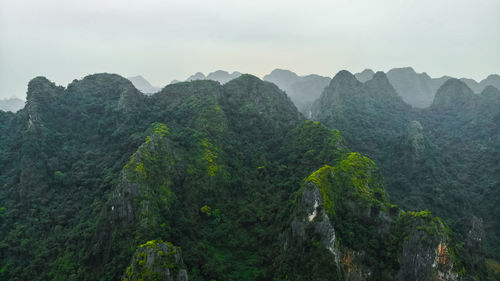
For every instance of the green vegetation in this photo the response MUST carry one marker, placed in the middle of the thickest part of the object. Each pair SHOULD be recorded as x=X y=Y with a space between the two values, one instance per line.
x=443 y=158
x=94 y=177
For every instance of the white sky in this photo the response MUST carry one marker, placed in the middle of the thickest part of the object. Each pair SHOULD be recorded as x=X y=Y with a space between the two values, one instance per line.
x=166 y=40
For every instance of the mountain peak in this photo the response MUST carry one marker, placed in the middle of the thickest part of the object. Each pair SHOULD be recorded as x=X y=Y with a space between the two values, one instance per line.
x=406 y=70
x=196 y=76
x=279 y=71
x=143 y=85
x=282 y=77
x=380 y=76
x=247 y=78
x=380 y=83
x=344 y=78
x=368 y=71
x=453 y=92
x=223 y=76
x=41 y=86
x=490 y=91
x=364 y=75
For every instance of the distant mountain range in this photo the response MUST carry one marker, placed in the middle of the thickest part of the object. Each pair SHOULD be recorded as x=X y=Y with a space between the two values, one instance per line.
x=416 y=89
x=419 y=89
x=12 y=104
x=303 y=90
x=143 y=85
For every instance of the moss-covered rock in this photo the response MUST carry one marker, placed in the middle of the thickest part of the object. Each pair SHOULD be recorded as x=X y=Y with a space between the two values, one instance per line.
x=345 y=210
x=156 y=260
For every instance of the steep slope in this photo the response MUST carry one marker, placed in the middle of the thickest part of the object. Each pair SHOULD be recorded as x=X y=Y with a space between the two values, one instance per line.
x=344 y=222
x=360 y=110
x=444 y=158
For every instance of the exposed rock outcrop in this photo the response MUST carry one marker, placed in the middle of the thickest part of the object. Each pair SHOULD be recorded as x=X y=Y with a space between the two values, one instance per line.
x=419 y=247
x=156 y=260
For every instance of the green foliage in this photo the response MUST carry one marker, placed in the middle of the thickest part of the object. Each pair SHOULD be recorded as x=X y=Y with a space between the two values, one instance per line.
x=104 y=171
x=206 y=210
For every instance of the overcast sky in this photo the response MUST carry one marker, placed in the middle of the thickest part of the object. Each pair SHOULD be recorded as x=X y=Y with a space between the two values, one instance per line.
x=165 y=40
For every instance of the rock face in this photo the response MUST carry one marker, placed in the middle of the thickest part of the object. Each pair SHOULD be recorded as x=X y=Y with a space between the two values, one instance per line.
x=142 y=192
x=416 y=137
x=318 y=219
x=156 y=260
x=419 y=247
x=425 y=254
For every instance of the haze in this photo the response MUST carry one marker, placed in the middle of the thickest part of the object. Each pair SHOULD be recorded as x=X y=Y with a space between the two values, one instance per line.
x=166 y=40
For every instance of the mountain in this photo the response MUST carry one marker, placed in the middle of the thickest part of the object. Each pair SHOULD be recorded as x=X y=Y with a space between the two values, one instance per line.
x=143 y=85
x=359 y=110
x=220 y=76
x=491 y=80
x=207 y=181
x=12 y=104
x=223 y=76
x=303 y=90
x=364 y=75
x=418 y=89
x=443 y=158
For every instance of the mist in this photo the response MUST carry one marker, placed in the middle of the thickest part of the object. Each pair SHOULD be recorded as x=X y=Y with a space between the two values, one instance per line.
x=167 y=40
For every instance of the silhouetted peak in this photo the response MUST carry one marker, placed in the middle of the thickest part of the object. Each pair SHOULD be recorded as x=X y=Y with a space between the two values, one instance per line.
x=368 y=71
x=196 y=76
x=344 y=78
x=379 y=81
x=223 y=76
x=143 y=85
x=453 y=92
x=248 y=79
x=493 y=76
x=380 y=76
x=403 y=70
x=490 y=91
x=283 y=72
x=364 y=75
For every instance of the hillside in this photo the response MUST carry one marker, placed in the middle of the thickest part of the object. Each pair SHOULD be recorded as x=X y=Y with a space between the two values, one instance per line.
x=205 y=181
x=443 y=158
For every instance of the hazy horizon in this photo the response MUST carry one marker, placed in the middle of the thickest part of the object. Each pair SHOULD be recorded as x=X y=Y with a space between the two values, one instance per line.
x=167 y=40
